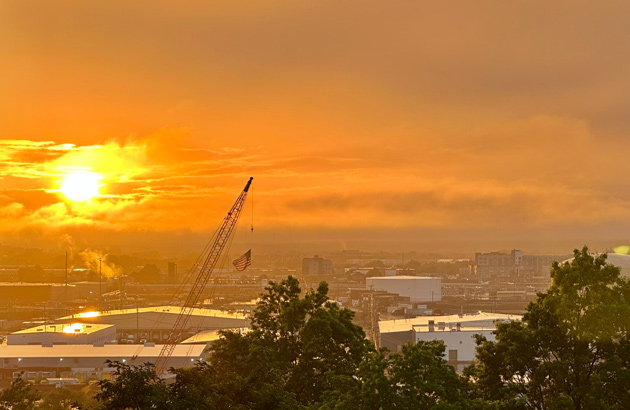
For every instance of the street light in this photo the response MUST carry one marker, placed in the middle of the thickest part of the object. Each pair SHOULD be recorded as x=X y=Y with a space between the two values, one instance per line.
x=100 y=283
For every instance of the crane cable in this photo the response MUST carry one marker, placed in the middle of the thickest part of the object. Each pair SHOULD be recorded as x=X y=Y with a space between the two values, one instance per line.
x=251 y=235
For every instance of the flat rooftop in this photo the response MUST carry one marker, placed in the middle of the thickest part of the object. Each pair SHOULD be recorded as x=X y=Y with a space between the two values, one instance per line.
x=170 y=310
x=74 y=328
x=463 y=329
x=405 y=277
x=113 y=351
x=33 y=284
x=401 y=325
x=211 y=335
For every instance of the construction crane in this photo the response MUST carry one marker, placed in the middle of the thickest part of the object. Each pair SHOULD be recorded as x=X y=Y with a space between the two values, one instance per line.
x=214 y=253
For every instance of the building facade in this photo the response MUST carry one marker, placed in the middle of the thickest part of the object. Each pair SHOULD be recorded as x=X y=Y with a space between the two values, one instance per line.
x=316 y=266
x=515 y=263
x=456 y=331
x=154 y=324
x=86 y=362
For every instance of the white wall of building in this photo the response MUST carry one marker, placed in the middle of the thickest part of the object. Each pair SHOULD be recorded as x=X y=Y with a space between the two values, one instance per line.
x=461 y=342
x=395 y=333
x=80 y=361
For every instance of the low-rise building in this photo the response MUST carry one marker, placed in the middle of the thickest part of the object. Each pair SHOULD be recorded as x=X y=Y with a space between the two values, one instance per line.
x=155 y=323
x=456 y=331
x=86 y=362
x=64 y=334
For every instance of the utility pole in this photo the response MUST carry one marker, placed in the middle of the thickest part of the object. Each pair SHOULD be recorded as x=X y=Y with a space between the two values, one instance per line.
x=100 y=284
x=137 y=322
x=374 y=333
x=66 y=276
x=121 y=289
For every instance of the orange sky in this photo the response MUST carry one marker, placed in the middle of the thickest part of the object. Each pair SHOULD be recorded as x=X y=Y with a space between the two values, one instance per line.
x=485 y=120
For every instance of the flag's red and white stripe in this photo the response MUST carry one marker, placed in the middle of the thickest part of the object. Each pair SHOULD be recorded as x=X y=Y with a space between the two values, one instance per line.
x=244 y=261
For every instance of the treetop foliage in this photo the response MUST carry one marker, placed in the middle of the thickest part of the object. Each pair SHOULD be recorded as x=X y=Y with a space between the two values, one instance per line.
x=571 y=351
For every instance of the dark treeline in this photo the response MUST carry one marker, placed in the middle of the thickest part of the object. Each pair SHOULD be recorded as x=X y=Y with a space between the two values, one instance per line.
x=571 y=351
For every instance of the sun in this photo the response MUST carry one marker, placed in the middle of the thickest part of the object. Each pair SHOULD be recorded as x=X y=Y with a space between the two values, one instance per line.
x=81 y=185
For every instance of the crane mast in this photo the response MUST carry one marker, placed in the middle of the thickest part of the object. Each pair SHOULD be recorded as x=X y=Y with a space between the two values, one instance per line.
x=222 y=238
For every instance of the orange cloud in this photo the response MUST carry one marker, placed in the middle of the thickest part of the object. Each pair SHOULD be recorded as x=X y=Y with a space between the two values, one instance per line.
x=468 y=115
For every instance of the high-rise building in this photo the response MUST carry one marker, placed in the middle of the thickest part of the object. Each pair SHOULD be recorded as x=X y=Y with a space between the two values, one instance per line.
x=515 y=263
x=316 y=266
x=172 y=272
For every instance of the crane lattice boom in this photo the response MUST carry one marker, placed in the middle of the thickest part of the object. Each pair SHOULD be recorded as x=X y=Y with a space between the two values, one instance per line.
x=222 y=238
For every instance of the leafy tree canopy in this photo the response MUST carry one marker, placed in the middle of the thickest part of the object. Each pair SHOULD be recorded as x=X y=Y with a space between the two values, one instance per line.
x=66 y=399
x=20 y=396
x=133 y=387
x=416 y=378
x=571 y=351
x=298 y=348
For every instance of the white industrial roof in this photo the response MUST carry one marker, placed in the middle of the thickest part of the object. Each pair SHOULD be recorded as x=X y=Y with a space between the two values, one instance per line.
x=172 y=310
x=401 y=325
x=90 y=351
x=211 y=335
x=472 y=329
x=404 y=277
x=74 y=328
x=33 y=284
x=621 y=261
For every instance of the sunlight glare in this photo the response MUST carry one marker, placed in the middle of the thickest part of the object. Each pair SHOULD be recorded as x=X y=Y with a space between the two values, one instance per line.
x=80 y=185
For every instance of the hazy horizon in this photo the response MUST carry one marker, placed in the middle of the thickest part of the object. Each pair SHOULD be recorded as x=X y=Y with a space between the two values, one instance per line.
x=456 y=127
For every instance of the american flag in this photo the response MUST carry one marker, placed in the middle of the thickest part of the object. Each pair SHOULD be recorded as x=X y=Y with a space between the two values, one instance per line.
x=244 y=261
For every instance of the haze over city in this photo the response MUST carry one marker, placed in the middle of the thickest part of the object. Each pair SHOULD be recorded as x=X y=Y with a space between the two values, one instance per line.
x=420 y=126
x=314 y=205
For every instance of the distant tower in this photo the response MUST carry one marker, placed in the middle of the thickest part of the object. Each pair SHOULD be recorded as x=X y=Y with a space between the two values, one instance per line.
x=316 y=266
x=172 y=272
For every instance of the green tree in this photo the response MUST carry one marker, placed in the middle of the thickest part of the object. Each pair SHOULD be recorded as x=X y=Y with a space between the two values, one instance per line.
x=416 y=378
x=133 y=387
x=66 y=399
x=298 y=348
x=19 y=396
x=571 y=351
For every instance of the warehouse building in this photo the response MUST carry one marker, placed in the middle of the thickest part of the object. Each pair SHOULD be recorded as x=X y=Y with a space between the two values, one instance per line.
x=456 y=331
x=153 y=324
x=86 y=362
x=64 y=334
x=208 y=336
